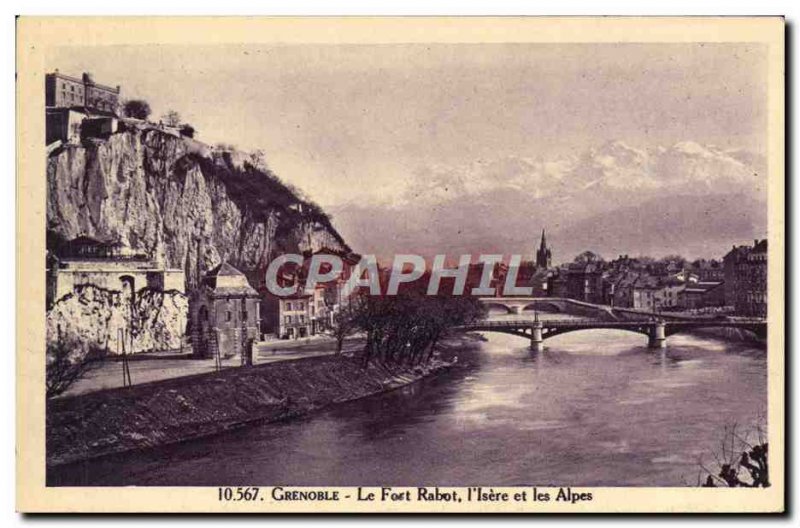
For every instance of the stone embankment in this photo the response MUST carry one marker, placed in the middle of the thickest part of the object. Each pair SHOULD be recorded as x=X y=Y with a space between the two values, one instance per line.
x=175 y=410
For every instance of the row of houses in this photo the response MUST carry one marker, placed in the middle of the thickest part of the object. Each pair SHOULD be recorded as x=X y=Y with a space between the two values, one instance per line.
x=738 y=281
x=305 y=314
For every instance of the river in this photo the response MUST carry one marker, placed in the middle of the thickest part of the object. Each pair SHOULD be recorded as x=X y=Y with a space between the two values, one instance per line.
x=596 y=408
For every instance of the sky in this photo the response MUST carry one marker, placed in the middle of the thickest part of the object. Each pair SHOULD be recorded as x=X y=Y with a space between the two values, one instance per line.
x=360 y=127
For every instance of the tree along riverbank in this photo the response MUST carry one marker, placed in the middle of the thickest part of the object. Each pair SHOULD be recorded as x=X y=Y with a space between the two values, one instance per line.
x=175 y=410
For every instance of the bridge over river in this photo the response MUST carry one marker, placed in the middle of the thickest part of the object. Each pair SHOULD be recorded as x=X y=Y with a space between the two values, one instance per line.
x=657 y=327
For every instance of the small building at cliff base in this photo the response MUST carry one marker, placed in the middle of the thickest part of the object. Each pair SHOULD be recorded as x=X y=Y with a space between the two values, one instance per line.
x=224 y=314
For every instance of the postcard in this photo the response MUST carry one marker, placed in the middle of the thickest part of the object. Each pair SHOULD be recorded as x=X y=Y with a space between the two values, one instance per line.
x=442 y=265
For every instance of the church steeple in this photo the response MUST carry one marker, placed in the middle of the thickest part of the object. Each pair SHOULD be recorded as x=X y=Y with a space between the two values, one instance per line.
x=543 y=255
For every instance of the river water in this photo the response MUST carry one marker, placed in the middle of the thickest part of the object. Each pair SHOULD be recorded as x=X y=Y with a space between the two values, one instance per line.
x=596 y=408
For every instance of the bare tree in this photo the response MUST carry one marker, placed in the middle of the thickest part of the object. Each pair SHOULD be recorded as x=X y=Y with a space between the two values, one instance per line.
x=67 y=362
x=344 y=322
x=404 y=329
x=741 y=462
x=258 y=159
x=171 y=118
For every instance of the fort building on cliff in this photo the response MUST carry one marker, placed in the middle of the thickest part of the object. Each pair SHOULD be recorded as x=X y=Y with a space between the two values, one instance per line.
x=64 y=91
x=79 y=107
x=108 y=265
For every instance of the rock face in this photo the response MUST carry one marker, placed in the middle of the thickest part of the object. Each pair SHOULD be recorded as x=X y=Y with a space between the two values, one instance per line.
x=185 y=205
x=94 y=316
x=181 y=202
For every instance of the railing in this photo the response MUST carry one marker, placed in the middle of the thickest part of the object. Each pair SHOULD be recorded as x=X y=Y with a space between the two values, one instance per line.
x=551 y=322
x=516 y=323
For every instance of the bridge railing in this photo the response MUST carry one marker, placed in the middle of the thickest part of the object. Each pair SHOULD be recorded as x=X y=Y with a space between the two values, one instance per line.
x=550 y=322
x=591 y=323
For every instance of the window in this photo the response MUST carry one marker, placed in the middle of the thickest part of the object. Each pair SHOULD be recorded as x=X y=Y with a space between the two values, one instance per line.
x=287 y=319
x=228 y=314
x=300 y=306
x=288 y=307
x=302 y=318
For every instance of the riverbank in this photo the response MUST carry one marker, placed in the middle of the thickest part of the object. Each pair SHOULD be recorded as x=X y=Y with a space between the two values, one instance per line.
x=730 y=334
x=175 y=410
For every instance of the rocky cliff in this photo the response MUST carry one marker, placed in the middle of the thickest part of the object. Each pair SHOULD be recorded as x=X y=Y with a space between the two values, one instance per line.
x=94 y=316
x=183 y=203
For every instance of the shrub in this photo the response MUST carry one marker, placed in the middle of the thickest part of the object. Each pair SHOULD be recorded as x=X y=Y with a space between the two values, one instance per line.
x=137 y=108
x=187 y=130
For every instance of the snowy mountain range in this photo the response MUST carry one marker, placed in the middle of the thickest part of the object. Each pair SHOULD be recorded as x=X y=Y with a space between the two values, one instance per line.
x=687 y=198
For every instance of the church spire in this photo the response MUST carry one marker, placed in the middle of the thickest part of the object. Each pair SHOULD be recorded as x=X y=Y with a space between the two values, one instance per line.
x=543 y=255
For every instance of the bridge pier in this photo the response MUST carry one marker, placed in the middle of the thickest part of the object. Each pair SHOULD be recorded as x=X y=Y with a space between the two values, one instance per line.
x=658 y=336
x=537 y=341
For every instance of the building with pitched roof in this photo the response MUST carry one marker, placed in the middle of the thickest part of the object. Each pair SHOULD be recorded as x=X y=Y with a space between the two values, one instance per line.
x=224 y=315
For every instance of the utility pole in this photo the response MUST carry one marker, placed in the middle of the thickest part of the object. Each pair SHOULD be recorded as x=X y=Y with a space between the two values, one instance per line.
x=121 y=348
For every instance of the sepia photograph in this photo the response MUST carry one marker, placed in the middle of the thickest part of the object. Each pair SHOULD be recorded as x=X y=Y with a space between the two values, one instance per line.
x=406 y=272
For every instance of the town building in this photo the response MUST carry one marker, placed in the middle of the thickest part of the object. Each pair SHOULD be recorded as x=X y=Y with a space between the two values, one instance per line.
x=557 y=285
x=224 y=315
x=305 y=314
x=702 y=294
x=109 y=265
x=707 y=270
x=529 y=275
x=584 y=282
x=730 y=262
x=655 y=294
x=645 y=292
x=540 y=283
x=296 y=319
x=619 y=289
x=746 y=267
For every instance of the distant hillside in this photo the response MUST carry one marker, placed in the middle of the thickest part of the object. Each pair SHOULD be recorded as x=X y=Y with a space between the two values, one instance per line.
x=694 y=225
